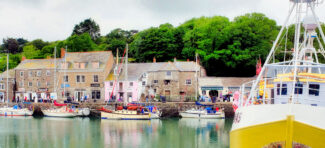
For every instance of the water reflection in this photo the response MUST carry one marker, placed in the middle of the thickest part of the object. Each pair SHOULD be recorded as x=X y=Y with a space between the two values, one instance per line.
x=85 y=132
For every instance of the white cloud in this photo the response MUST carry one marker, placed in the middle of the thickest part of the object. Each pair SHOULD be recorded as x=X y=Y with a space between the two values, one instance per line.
x=54 y=19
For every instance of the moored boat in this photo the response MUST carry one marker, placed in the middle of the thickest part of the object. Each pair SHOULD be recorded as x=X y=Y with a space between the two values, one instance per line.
x=60 y=112
x=12 y=111
x=125 y=114
x=203 y=112
x=285 y=105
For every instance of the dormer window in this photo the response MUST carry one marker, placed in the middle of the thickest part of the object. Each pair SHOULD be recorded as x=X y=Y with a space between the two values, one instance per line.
x=82 y=65
x=95 y=65
x=76 y=65
x=168 y=73
x=144 y=75
x=64 y=65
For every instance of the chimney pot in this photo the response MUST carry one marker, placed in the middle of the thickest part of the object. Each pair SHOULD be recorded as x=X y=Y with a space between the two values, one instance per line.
x=188 y=60
x=175 y=60
x=23 y=58
x=62 y=52
x=154 y=59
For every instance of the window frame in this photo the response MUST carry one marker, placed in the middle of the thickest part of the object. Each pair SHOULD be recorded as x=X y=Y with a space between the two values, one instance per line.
x=188 y=80
x=95 y=78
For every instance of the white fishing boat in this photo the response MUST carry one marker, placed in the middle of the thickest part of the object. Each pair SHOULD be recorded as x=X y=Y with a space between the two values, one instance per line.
x=285 y=105
x=62 y=112
x=10 y=111
x=125 y=115
x=203 y=112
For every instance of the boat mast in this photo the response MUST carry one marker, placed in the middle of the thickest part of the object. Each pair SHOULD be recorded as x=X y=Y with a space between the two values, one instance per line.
x=269 y=56
x=196 y=77
x=65 y=71
x=54 y=84
x=8 y=78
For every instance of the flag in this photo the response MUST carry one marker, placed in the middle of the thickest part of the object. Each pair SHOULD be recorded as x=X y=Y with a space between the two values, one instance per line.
x=258 y=66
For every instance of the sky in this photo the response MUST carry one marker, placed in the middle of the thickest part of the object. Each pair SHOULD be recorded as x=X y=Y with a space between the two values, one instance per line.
x=53 y=20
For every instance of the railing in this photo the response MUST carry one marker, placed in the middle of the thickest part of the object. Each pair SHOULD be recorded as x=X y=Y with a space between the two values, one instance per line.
x=283 y=92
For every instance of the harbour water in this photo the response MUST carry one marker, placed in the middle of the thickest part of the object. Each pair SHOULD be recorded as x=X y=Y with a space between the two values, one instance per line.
x=85 y=132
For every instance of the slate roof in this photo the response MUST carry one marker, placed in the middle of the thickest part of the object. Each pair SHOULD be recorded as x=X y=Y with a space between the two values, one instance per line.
x=224 y=81
x=135 y=70
x=11 y=74
x=37 y=64
x=87 y=57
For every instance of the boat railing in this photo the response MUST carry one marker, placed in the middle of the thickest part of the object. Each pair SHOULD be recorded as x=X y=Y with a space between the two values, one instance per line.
x=270 y=90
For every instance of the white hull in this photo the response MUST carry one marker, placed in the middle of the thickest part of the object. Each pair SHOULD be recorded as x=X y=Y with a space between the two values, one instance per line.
x=202 y=116
x=261 y=114
x=15 y=112
x=59 y=113
x=124 y=116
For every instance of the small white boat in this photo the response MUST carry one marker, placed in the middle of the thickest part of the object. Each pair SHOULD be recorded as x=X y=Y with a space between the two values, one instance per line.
x=83 y=112
x=9 y=111
x=125 y=115
x=202 y=114
x=60 y=112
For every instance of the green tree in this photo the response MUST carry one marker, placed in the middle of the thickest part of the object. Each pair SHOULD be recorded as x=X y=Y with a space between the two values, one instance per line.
x=38 y=43
x=31 y=52
x=156 y=42
x=10 y=45
x=87 y=26
x=81 y=42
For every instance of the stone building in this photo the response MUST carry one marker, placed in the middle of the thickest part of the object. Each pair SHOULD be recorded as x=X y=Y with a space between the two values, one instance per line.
x=3 y=85
x=35 y=79
x=220 y=86
x=82 y=74
x=177 y=81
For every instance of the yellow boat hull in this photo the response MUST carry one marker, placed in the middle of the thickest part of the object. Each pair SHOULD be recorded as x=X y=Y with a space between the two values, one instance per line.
x=285 y=133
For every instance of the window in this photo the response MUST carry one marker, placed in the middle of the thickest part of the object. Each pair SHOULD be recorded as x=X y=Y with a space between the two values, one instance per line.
x=204 y=92
x=155 y=81
x=1 y=79
x=30 y=84
x=78 y=78
x=314 y=89
x=48 y=83
x=64 y=65
x=30 y=73
x=82 y=65
x=95 y=78
x=76 y=65
x=65 y=78
x=95 y=64
x=82 y=78
x=155 y=90
x=144 y=75
x=188 y=82
x=110 y=83
x=21 y=83
x=39 y=73
x=48 y=73
x=2 y=86
x=283 y=90
x=143 y=83
x=131 y=84
x=21 y=73
x=67 y=94
x=299 y=88
x=95 y=94
x=166 y=82
x=38 y=83
x=168 y=73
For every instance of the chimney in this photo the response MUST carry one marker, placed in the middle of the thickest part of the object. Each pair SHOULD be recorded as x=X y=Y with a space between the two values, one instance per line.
x=23 y=58
x=188 y=60
x=175 y=60
x=62 y=52
x=154 y=60
x=48 y=57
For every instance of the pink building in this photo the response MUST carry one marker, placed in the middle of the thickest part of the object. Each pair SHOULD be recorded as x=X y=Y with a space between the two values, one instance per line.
x=128 y=85
x=121 y=90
